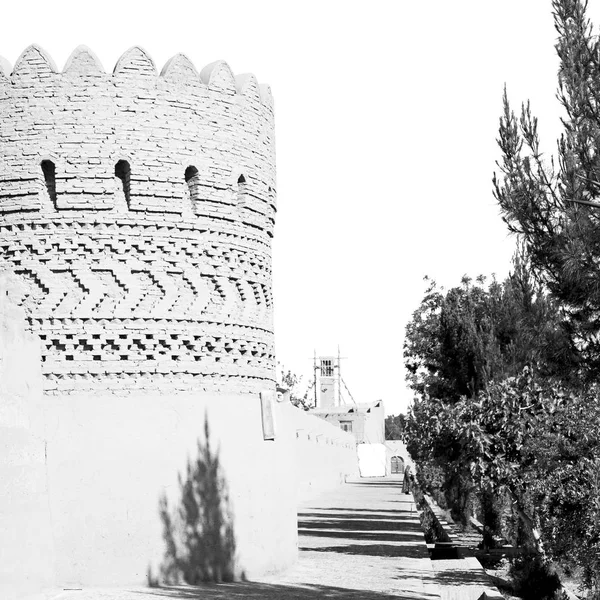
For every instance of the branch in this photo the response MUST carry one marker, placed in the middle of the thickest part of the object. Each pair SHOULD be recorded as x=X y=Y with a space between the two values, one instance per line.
x=586 y=202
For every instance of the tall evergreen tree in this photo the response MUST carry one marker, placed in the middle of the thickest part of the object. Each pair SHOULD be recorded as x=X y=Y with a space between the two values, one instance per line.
x=553 y=204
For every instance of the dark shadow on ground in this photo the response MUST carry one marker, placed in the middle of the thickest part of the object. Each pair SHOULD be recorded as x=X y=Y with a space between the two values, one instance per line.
x=344 y=524
x=256 y=591
x=390 y=483
x=374 y=516
x=394 y=535
x=198 y=532
x=364 y=535
x=363 y=510
x=388 y=550
x=458 y=576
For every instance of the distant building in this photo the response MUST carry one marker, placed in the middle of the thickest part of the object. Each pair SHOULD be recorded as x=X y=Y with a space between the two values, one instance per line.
x=365 y=421
x=397 y=457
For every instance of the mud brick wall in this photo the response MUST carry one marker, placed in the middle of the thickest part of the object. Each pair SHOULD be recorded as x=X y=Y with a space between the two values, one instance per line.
x=136 y=217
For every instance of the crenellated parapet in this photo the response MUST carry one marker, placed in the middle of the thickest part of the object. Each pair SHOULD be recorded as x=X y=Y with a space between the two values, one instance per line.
x=136 y=217
x=82 y=122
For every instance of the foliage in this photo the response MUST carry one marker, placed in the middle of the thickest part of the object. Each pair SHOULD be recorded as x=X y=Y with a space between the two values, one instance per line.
x=394 y=426
x=298 y=392
x=434 y=447
x=504 y=373
x=566 y=487
x=509 y=434
x=538 y=441
x=534 y=579
x=544 y=201
x=459 y=341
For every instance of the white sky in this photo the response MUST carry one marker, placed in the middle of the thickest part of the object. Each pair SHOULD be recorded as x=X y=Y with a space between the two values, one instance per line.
x=386 y=119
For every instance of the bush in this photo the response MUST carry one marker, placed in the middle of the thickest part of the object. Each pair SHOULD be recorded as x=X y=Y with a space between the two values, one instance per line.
x=534 y=579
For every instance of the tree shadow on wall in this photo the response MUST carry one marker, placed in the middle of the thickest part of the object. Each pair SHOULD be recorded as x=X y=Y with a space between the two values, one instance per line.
x=198 y=532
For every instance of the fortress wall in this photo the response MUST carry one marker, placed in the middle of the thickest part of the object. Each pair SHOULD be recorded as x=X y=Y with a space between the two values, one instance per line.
x=26 y=543
x=324 y=455
x=110 y=461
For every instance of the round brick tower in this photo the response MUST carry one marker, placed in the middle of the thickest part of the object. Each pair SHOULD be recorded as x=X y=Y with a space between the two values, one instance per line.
x=136 y=218
x=137 y=212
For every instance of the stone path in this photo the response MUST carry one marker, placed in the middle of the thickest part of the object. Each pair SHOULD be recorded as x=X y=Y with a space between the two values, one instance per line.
x=361 y=541
x=463 y=579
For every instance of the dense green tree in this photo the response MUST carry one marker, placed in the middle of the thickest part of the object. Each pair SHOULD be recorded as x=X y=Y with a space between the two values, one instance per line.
x=460 y=340
x=553 y=203
x=532 y=440
x=448 y=347
x=394 y=426
x=538 y=442
x=457 y=345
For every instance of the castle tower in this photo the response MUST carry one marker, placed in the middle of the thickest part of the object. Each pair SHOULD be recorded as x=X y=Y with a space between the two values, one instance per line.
x=136 y=215
x=136 y=218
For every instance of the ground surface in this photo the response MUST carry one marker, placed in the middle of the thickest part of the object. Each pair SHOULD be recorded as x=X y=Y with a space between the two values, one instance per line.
x=361 y=541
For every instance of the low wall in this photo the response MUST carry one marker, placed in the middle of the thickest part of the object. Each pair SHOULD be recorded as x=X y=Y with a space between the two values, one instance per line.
x=82 y=476
x=110 y=460
x=324 y=455
x=79 y=506
x=100 y=465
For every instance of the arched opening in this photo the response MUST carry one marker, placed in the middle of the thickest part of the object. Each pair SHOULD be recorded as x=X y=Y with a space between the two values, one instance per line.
x=49 y=171
x=192 y=178
x=123 y=172
x=397 y=465
x=241 y=191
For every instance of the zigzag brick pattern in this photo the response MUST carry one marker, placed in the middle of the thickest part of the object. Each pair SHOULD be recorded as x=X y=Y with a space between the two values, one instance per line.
x=136 y=217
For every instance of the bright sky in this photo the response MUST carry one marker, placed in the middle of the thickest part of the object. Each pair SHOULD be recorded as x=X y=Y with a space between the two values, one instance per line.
x=386 y=119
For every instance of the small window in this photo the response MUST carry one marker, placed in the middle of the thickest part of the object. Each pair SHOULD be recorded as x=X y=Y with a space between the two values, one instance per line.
x=346 y=426
x=192 y=178
x=241 y=191
x=123 y=172
x=326 y=367
x=49 y=171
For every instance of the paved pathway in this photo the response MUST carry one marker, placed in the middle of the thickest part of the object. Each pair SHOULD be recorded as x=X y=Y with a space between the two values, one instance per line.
x=361 y=541
x=463 y=579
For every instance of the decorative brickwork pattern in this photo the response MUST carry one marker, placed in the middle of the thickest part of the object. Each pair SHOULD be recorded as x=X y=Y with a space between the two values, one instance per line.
x=136 y=216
